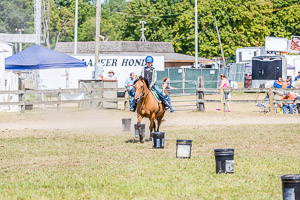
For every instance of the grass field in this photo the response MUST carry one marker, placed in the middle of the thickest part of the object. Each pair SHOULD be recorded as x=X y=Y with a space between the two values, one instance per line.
x=57 y=164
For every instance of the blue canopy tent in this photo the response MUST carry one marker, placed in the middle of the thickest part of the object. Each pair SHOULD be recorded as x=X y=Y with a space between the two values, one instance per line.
x=38 y=57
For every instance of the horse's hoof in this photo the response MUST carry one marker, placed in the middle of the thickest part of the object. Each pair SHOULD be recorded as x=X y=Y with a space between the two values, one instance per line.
x=141 y=139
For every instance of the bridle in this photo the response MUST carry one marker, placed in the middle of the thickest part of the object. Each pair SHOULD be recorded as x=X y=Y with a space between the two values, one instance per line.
x=142 y=93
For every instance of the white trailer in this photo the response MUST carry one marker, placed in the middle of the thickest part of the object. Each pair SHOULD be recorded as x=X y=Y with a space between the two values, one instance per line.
x=245 y=54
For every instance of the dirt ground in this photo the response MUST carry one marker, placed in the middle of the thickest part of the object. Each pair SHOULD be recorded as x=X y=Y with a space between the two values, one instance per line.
x=109 y=121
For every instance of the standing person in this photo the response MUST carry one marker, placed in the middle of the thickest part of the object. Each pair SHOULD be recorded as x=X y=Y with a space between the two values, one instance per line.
x=129 y=86
x=166 y=90
x=297 y=78
x=225 y=84
x=150 y=75
x=111 y=76
x=19 y=82
x=277 y=84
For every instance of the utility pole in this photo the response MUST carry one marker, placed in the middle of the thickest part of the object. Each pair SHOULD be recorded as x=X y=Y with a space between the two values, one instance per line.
x=196 y=34
x=76 y=27
x=98 y=20
x=37 y=20
x=20 y=30
x=143 y=38
x=224 y=63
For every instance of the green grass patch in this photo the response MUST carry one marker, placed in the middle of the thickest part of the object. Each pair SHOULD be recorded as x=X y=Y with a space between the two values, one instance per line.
x=66 y=165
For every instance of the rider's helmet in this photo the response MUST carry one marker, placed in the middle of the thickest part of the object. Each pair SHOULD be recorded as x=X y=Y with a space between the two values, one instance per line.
x=149 y=59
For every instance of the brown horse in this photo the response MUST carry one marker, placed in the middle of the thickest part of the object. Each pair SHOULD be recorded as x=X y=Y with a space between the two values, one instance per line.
x=148 y=107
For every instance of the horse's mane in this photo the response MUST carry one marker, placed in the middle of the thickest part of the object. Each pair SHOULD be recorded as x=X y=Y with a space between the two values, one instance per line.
x=142 y=79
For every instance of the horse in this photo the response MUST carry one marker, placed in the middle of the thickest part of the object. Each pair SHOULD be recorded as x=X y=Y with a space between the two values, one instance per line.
x=147 y=106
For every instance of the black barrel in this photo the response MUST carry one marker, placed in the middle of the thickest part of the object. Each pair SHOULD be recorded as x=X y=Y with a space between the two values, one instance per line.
x=183 y=148
x=136 y=130
x=290 y=187
x=126 y=123
x=224 y=160
x=158 y=140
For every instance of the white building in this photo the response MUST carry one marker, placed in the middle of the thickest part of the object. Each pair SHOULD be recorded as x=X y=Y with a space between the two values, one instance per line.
x=8 y=80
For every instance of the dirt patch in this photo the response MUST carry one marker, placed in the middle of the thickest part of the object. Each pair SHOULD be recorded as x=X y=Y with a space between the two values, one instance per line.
x=110 y=121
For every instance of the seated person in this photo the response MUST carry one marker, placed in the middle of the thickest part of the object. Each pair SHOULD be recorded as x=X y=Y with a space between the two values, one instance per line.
x=289 y=106
x=286 y=84
x=278 y=83
x=289 y=81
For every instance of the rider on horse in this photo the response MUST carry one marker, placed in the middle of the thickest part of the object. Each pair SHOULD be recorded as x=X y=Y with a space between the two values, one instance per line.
x=150 y=75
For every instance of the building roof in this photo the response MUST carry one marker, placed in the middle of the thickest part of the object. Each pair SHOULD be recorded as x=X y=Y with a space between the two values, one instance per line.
x=115 y=47
x=137 y=48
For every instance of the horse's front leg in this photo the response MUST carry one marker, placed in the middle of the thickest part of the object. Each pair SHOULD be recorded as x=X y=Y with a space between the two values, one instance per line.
x=140 y=128
x=152 y=126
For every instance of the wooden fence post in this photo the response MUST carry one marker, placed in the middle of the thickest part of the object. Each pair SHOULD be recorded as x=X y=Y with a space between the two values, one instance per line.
x=126 y=101
x=222 y=100
x=271 y=100
x=100 y=94
x=92 y=94
x=201 y=106
x=59 y=100
x=22 y=99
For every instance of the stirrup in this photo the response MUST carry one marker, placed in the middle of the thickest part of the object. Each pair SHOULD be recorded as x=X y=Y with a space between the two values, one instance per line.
x=133 y=109
x=167 y=106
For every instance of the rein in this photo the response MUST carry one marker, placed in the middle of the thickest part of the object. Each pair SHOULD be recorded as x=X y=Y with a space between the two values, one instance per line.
x=142 y=95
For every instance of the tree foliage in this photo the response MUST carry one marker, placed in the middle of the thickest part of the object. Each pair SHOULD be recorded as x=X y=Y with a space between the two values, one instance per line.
x=241 y=23
x=15 y=14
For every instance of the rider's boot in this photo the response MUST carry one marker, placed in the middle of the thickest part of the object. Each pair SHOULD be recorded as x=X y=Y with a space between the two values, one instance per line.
x=133 y=109
x=166 y=105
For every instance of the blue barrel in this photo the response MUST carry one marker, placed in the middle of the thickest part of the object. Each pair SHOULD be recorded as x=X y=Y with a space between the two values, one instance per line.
x=158 y=140
x=290 y=187
x=224 y=160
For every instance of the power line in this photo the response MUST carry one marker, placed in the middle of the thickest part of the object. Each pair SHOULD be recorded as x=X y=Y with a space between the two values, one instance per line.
x=190 y=12
x=140 y=15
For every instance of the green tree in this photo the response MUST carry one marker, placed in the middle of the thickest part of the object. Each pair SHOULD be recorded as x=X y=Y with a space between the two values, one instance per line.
x=111 y=22
x=15 y=14
x=159 y=16
x=112 y=19
x=240 y=23
x=285 y=18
